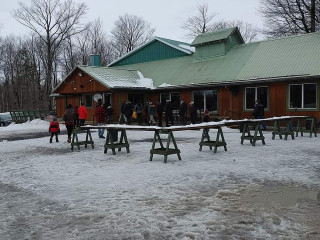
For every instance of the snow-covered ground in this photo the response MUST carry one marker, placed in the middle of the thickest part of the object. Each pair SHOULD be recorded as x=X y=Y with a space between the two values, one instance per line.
x=268 y=191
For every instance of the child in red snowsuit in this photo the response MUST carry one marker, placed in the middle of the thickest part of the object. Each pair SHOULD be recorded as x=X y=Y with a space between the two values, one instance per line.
x=54 y=129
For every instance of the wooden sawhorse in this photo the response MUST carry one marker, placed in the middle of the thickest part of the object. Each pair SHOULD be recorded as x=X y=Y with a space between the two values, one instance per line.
x=75 y=140
x=112 y=144
x=312 y=127
x=286 y=132
x=165 y=151
x=246 y=135
x=205 y=140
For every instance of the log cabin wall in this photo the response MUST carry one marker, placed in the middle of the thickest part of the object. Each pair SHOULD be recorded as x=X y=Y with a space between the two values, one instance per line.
x=72 y=90
x=230 y=101
x=278 y=102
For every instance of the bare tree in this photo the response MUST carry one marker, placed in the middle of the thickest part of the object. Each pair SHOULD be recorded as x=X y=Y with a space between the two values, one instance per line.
x=200 y=23
x=203 y=22
x=129 y=32
x=290 y=17
x=54 y=22
x=77 y=49
x=20 y=89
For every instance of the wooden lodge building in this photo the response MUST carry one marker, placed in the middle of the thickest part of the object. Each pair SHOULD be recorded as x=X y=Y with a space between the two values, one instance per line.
x=217 y=71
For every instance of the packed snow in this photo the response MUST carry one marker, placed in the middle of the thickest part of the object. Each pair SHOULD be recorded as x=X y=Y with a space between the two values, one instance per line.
x=268 y=191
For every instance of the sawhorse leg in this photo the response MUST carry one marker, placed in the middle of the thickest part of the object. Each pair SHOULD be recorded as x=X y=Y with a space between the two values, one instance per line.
x=244 y=131
x=276 y=130
x=75 y=136
x=256 y=137
x=110 y=142
x=299 y=128
x=75 y=139
x=205 y=135
x=217 y=143
x=165 y=151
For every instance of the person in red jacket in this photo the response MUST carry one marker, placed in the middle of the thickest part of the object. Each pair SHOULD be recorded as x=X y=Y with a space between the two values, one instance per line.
x=83 y=113
x=54 y=129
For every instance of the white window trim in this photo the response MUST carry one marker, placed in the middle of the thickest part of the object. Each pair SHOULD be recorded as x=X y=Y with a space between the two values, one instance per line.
x=302 y=95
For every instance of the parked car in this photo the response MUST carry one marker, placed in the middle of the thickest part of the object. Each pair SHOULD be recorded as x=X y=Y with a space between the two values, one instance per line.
x=50 y=116
x=5 y=119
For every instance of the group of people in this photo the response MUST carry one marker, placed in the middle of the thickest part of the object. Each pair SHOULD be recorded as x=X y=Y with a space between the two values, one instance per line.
x=75 y=117
x=150 y=109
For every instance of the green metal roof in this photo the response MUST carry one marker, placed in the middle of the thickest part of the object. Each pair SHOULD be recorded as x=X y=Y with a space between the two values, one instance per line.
x=287 y=58
x=117 y=78
x=274 y=59
x=214 y=36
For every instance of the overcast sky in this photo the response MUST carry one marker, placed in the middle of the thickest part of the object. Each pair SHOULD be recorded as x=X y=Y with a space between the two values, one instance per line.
x=167 y=16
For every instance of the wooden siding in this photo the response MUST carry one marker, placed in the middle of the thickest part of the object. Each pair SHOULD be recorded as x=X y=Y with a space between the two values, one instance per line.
x=76 y=84
x=229 y=105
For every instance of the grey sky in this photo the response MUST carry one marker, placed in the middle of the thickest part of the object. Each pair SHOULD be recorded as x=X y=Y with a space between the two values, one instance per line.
x=167 y=16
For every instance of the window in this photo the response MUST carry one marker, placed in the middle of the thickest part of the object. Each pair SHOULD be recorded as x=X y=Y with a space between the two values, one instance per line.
x=206 y=100
x=174 y=97
x=88 y=100
x=256 y=93
x=303 y=96
x=164 y=97
x=107 y=99
x=135 y=98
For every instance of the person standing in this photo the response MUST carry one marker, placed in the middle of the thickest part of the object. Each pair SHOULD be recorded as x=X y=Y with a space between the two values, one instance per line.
x=138 y=109
x=76 y=121
x=160 y=109
x=128 y=110
x=69 y=117
x=109 y=114
x=101 y=116
x=182 y=112
x=168 y=112
x=258 y=113
x=54 y=129
x=151 y=113
x=83 y=113
x=122 y=109
x=146 y=109
x=193 y=113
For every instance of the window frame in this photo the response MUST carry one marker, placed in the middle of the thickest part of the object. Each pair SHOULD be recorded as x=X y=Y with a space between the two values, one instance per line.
x=256 y=97
x=204 y=107
x=85 y=102
x=302 y=97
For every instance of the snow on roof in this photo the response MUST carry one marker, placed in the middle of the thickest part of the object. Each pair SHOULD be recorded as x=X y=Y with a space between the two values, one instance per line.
x=188 y=47
x=166 y=85
x=145 y=82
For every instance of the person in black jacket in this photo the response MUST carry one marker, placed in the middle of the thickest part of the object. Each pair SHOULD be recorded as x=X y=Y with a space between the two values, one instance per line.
x=168 y=111
x=160 y=109
x=182 y=112
x=128 y=110
x=258 y=113
x=122 y=111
